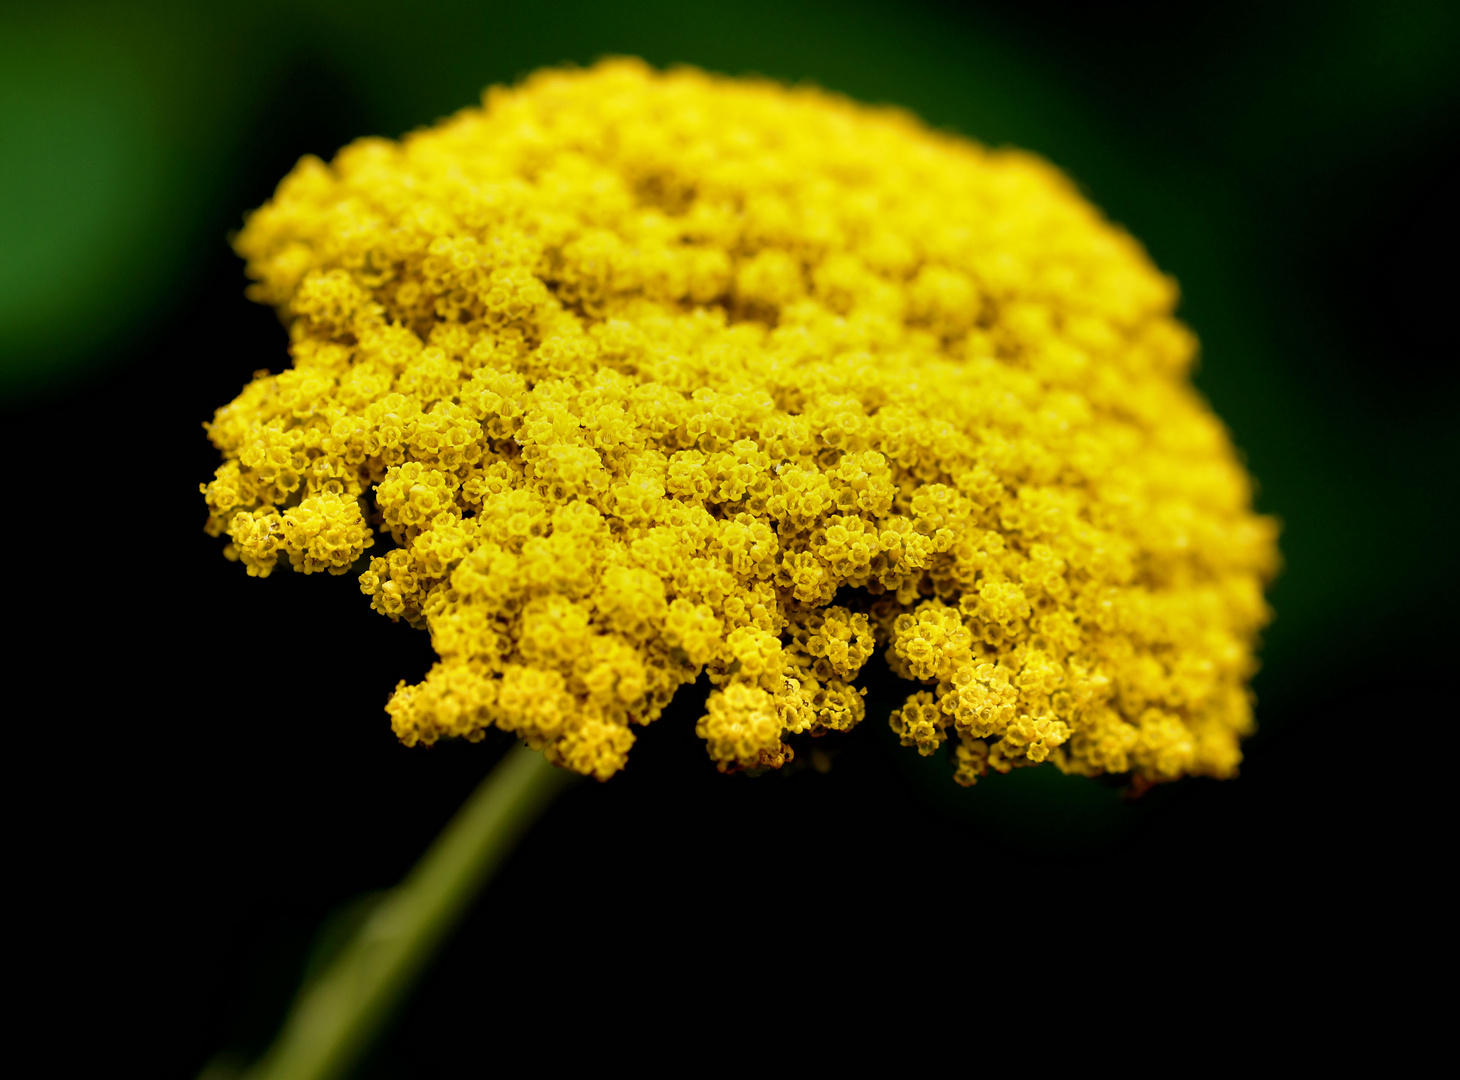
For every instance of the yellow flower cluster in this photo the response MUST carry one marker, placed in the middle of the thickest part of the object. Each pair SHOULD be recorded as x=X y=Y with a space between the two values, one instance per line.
x=653 y=374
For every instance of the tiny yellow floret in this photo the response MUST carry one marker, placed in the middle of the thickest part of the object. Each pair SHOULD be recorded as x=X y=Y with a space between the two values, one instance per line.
x=647 y=375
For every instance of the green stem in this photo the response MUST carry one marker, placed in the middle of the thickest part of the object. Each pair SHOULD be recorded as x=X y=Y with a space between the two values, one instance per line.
x=335 y=1017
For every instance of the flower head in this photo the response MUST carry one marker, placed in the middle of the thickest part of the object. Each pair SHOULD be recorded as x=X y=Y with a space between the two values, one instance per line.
x=647 y=375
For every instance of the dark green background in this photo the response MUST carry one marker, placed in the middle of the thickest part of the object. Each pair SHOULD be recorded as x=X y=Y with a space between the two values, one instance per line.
x=218 y=743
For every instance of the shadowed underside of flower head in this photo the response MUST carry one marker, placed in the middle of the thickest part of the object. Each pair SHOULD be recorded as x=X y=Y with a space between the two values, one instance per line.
x=646 y=375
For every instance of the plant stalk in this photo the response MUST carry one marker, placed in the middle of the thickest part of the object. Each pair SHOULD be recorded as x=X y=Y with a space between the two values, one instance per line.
x=337 y=1015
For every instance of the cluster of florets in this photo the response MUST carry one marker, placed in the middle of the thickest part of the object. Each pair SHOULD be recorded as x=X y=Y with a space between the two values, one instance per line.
x=651 y=375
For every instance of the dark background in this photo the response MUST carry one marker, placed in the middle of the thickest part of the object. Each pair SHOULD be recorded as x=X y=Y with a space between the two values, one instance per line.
x=201 y=762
